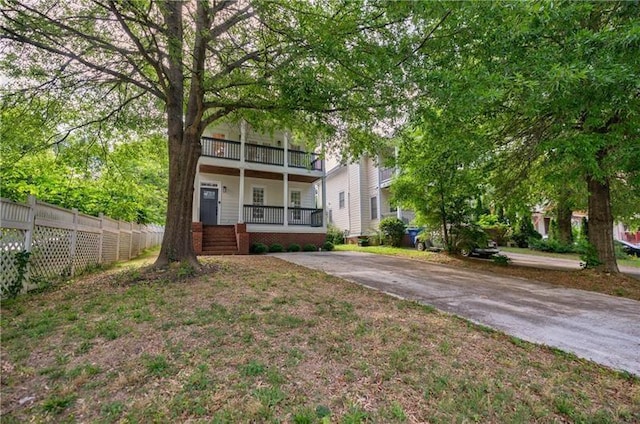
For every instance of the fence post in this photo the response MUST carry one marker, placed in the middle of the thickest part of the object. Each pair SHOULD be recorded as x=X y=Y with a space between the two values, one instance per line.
x=28 y=235
x=74 y=242
x=101 y=239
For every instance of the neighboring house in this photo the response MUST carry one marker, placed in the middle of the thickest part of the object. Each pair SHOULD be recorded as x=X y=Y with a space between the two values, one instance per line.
x=358 y=196
x=541 y=218
x=252 y=187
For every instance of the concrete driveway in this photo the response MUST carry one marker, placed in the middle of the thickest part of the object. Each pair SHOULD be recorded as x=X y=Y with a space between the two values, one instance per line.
x=594 y=326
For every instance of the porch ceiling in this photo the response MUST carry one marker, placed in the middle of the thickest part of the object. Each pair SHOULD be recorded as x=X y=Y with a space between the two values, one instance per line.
x=210 y=169
x=221 y=170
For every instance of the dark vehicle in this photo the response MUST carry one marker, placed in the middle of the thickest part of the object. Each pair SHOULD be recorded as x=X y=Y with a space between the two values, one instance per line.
x=482 y=251
x=629 y=248
x=479 y=246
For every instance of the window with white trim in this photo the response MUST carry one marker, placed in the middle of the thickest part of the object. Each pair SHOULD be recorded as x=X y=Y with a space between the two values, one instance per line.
x=374 y=207
x=341 y=200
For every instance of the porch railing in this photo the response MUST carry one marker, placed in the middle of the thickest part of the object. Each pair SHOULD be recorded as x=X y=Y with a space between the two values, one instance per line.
x=386 y=174
x=228 y=149
x=257 y=214
x=219 y=148
x=274 y=215
x=306 y=160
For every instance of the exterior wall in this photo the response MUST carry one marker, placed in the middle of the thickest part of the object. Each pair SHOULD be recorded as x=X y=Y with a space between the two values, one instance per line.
x=371 y=189
x=337 y=182
x=354 y=199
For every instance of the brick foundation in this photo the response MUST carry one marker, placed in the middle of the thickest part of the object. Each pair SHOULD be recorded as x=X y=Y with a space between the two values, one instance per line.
x=242 y=239
x=196 y=233
x=287 y=239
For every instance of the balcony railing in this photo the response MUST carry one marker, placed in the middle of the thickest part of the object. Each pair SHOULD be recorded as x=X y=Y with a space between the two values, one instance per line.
x=386 y=174
x=306 y=160
x=274 y=215
x=264 y=154
x=219 y=148
x=227 y=149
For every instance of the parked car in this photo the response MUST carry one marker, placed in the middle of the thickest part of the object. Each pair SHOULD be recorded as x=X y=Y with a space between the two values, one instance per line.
x=482 y=251
x=629 y=248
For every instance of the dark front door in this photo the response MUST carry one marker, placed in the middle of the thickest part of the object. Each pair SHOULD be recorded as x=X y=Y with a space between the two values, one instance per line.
x=209 y=206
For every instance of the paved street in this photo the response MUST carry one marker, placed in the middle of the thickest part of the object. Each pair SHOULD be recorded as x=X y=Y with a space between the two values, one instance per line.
x=549 y=262
x=591 y=325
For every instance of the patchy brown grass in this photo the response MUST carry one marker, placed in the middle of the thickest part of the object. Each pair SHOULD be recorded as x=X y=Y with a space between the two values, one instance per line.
x=614 y=285
x=255 y=339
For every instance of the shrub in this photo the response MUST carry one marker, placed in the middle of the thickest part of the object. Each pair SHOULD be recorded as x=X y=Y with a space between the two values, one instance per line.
x=335 y=235
x=328 y=246
x=466 y=237
x=294 y=248
x=588 y=255
x=309 y=247
x=392 y=230
x=259 y=248
x=502 y=260
x=550 y=245
x=276 y=247
x=524 y=232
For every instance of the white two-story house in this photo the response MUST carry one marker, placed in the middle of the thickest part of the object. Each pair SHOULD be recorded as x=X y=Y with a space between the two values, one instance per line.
x=252 y=187
x=358 y=196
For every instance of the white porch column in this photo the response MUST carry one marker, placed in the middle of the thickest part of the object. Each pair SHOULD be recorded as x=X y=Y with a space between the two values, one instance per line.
x=243 y=139
x=241 y=198
x=286 y=194
x=325 y=212
x=285 y=143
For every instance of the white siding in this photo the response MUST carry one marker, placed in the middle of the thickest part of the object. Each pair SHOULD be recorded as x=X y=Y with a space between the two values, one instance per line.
x=337 y=182
x=354 y=199
x=230 y=131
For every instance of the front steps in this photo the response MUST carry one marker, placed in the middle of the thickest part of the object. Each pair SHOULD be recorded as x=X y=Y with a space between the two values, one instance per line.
x=219 y=240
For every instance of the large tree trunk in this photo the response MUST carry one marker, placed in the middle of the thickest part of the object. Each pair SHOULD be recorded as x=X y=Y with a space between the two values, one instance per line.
x=601 y=224
x=184 y=150
x=177 y=244
x=563 y=217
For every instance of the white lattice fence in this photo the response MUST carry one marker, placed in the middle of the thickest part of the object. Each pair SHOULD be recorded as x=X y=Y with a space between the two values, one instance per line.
x=12 y=240
x=64 y=242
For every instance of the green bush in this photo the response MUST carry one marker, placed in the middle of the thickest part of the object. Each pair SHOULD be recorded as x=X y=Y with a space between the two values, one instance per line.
x=588 y=255
x=392 y=230
x=293 y=248
x=309 y=247
x=328 y=246
x=276 y=247
x=550 y=245
x=335 y=235
x=466 y=237
x=524 y=232
x=502 y=260
x=259 y=248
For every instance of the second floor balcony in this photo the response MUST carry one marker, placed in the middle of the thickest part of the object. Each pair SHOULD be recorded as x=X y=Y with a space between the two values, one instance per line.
x=255 y=153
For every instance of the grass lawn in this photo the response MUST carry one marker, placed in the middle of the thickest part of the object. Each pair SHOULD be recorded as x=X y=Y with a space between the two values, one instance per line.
x=255 y=339
x=615 y=285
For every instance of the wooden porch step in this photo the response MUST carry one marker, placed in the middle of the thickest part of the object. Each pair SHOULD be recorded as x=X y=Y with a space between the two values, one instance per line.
x=219 y=252
x=218 y=245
